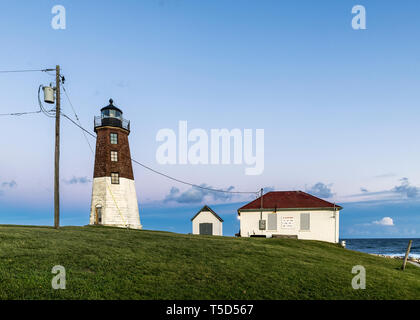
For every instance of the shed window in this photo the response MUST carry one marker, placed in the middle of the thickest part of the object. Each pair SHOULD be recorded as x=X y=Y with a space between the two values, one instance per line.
x=305 y=221
x=115 y=178
x=114 y=138
x=114 y=156
x=272 y=221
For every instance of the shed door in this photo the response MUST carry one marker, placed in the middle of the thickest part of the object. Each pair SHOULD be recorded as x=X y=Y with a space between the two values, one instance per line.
x=206 y=228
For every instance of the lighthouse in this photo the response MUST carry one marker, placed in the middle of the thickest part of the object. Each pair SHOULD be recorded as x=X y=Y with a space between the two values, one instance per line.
x=114 y=198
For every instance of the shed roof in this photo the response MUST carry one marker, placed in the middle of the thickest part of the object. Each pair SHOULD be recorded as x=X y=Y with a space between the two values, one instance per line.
x=289 y=200
x=207 y=208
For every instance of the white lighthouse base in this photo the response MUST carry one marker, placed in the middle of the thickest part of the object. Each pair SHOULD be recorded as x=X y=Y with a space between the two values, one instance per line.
x=115 y=204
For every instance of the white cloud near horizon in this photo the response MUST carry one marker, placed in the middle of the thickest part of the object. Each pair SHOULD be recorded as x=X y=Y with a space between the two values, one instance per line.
x=385 y=221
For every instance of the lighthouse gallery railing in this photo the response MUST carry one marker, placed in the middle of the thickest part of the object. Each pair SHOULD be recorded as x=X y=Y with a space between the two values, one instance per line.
x=111 y=121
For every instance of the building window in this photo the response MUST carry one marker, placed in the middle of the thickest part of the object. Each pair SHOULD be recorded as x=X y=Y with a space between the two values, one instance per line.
x=115 y=178
x=114 y=156
x=272 y=221
x=114 y=138
x=305 y=221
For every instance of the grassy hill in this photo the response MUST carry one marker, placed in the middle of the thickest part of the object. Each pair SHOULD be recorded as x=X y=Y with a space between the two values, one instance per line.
x=108 y=263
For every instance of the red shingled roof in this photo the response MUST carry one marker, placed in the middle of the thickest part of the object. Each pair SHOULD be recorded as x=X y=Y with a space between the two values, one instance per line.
x=289 y=200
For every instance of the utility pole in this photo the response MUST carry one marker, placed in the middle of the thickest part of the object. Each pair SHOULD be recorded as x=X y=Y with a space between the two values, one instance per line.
x=57 y=151
x=262 y=224
x=406 y=254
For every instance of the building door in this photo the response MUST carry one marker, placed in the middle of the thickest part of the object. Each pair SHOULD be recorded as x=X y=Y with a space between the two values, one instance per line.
x=98 y=216
x=206 y=229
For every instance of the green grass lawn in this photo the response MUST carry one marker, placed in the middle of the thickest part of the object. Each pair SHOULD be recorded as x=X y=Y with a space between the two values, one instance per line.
x=109 y=263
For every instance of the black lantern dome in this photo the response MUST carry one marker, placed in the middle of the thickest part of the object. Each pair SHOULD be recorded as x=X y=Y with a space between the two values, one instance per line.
x=111 y=111
x=111 y=116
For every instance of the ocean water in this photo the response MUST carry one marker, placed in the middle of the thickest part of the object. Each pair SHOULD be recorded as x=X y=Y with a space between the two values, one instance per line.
x=389 y=247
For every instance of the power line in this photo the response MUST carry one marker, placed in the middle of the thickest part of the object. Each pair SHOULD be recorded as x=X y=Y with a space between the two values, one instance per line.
x=80 y=127
x=18 y=114
x=77 y=118
x=20 y=71
x=49 y=113
x=161 y=173
x=192 y=184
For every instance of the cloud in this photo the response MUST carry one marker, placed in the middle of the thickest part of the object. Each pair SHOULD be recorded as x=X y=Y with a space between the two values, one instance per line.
x=7 y=184
x=371 y=193
x=269 y=189
x=320 y=190
x=78 y=180
x=386 y=221
x=406 y=190
x=402 y=191
x=197 y=195
x=11 y=184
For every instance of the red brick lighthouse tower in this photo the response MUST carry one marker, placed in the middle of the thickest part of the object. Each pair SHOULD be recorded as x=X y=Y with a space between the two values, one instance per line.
x=114 y=198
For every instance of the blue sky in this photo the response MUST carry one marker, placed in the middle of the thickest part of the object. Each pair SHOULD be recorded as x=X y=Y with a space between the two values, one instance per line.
x=339 y=107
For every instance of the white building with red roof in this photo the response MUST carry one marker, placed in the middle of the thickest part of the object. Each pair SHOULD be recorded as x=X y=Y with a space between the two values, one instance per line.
x=290 y=214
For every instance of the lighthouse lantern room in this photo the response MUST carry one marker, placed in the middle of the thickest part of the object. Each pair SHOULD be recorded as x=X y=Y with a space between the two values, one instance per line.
x=114 y=198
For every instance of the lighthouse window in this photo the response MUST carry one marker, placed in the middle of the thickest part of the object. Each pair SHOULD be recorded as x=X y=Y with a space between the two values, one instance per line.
x=114 y=138
x=114 y=156
x=115 y=178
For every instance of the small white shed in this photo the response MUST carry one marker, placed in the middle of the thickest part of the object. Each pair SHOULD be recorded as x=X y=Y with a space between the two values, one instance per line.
x=207 y=222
